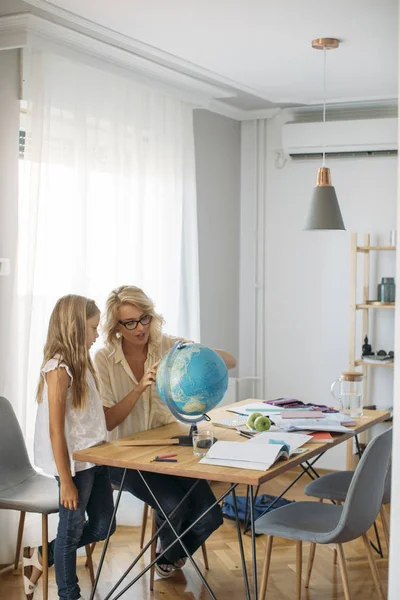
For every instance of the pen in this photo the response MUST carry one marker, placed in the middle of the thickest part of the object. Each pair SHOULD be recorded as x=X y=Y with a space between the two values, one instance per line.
x=164 y=460
x=167 y=455
x=245 y=435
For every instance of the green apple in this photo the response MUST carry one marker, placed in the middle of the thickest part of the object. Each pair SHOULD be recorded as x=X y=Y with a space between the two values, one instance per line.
x=252 y=418
x=262 y=423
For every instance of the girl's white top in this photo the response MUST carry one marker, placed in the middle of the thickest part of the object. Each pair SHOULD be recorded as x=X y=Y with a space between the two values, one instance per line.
x=83 y=428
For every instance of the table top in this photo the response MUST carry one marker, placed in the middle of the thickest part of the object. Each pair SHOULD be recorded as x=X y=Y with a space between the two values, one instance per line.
x=187 y=465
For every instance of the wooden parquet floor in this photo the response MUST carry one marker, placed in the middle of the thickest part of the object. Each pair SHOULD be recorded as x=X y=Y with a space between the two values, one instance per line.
x=225 y=574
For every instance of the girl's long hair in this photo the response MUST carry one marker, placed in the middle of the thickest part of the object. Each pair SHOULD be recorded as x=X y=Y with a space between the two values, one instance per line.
x=130 y=294
x=66 y=340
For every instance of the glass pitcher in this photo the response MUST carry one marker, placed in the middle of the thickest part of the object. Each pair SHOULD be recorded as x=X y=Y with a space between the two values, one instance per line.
x=350 y=393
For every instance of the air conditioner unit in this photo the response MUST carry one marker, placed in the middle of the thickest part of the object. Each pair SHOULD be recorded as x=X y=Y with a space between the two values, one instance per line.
x=363 y=136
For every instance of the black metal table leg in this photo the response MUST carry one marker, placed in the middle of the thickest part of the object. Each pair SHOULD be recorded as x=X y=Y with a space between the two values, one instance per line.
x=103 y=553
x=247 y=512
x=177 y=540
x=253 y=544
x=128 y=570
x=167 y=518
x=241 y=549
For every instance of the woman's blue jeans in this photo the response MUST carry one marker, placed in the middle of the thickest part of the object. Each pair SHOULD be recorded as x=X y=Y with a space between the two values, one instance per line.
x=75 y=531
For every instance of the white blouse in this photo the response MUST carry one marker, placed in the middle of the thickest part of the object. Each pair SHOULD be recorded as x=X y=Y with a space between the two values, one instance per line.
x=83 y=429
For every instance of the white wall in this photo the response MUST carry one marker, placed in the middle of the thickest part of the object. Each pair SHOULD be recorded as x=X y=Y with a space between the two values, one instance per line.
x=394 y=572
x=9 y=125
x=307 y=274
x=217 y=147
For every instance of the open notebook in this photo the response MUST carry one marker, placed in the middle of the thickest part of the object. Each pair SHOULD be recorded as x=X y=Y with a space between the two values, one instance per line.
x=251 y=455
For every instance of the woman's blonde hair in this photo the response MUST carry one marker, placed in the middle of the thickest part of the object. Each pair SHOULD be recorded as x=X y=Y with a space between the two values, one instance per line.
x=66 y=340
x=130 y=294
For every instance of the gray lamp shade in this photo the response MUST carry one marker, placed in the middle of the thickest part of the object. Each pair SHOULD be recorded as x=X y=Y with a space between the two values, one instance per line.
x=324 y=211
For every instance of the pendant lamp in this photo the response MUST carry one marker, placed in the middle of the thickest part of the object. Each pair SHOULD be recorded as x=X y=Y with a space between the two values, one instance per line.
x=324 y=211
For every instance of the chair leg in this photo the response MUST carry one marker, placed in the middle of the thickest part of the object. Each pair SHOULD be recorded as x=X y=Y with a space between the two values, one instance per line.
x=153 y=548
x=299 y=562
x=385 y=525
x=335 y=557
x=343 y=571
x=265 y=572
x=144 y=523
x=19 y=539
x=374 y=570
x=89 y=561
x=92 y=546
x=205 y=556
x=45 y=556
x=310 y=563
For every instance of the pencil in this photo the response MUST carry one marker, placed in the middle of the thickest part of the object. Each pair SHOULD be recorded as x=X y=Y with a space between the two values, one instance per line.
x=166 y=455
x=248 y=436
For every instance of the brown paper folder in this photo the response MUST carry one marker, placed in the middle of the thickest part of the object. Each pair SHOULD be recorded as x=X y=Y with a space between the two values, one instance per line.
x=167 y=442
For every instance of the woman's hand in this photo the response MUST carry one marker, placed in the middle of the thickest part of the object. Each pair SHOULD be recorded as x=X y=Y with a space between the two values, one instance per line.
x=69 y=495
x=149 y=378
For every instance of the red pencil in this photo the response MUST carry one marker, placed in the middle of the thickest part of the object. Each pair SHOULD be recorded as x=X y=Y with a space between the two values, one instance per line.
x=166 y=456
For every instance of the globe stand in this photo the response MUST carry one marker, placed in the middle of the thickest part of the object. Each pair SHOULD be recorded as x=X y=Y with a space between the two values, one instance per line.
x=187 y=440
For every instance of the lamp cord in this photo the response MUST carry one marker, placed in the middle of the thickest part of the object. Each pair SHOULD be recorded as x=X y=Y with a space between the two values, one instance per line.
x=324 y=112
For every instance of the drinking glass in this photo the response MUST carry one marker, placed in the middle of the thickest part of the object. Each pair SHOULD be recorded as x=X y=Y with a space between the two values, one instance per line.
x=202 y=442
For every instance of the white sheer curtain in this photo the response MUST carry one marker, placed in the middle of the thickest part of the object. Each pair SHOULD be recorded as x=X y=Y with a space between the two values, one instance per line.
x=107 y=198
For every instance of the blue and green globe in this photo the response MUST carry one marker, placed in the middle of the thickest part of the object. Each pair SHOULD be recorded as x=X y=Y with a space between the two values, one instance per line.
x=191 y=379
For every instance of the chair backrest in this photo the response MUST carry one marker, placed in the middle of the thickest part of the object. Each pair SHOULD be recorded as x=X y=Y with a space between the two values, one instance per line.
x=364 y=497
x=15 y=466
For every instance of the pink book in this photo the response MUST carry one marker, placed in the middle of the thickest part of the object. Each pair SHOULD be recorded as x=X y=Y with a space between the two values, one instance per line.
x=302 y=414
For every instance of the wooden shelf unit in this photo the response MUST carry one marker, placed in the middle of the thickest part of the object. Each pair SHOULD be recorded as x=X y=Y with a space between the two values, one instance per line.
x=372 y=304
x=367 y=248
x=361 y=363
x=366 y=304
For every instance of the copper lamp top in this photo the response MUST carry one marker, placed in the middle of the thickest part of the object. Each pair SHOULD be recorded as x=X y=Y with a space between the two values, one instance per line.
x=328 y=43
x=324 y=177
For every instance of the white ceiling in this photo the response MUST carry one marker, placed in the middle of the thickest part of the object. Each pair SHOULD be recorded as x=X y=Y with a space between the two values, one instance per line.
x=260 y=48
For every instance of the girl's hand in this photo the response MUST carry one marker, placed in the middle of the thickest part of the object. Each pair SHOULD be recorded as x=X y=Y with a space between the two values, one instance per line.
x=69 y=495
x=149 y=378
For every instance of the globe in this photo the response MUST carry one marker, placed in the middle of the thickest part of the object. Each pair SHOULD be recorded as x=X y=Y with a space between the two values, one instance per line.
x=191 y=379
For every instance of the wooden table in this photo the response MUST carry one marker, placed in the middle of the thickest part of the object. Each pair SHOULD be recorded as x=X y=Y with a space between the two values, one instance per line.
x=140 y=458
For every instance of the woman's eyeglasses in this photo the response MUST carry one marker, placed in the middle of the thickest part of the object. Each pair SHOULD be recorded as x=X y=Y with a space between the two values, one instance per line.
x=133 y=323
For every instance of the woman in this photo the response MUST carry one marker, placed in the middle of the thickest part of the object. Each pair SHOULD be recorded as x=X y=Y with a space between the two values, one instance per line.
x=127 y=367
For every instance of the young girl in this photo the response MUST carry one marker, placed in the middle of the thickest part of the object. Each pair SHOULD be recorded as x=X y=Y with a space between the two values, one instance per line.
x=70 y=417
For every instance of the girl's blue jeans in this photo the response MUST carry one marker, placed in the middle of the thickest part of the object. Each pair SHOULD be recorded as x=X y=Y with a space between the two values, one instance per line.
x=75 y=531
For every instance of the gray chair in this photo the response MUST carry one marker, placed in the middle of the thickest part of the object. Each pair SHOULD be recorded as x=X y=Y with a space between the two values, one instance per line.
x=333 y=524
x=23 y=489
x=334 y=486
